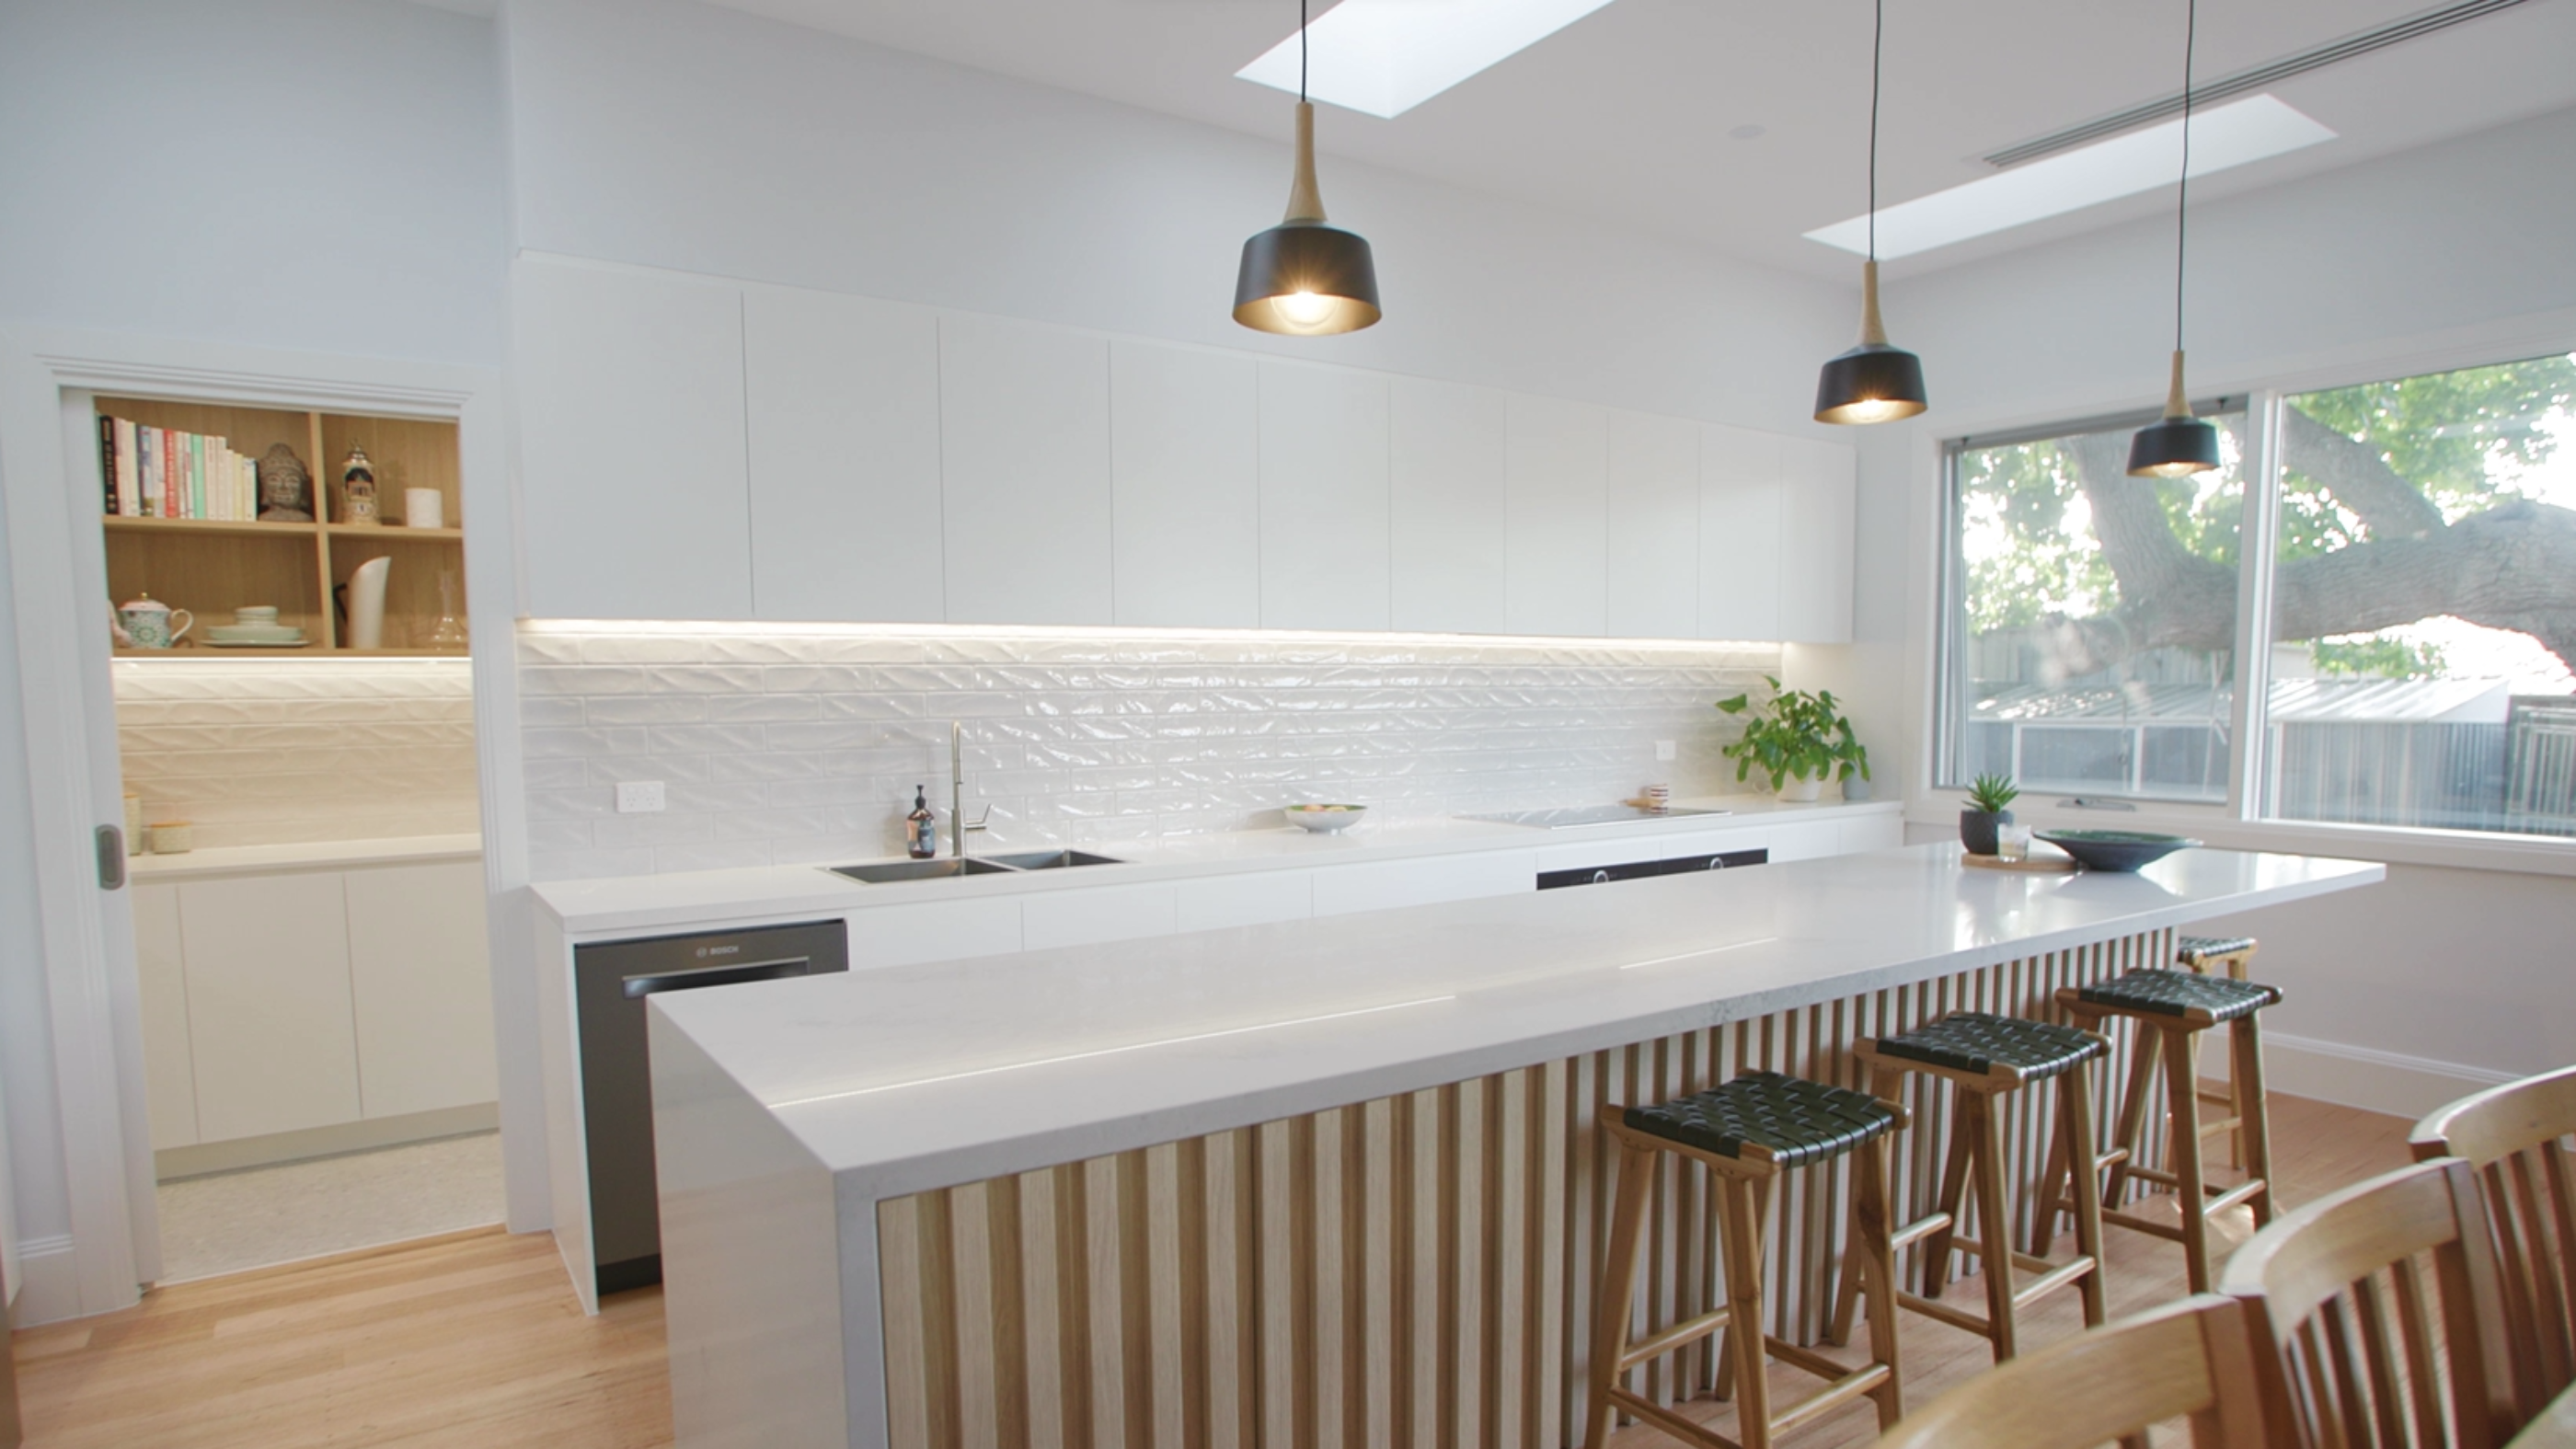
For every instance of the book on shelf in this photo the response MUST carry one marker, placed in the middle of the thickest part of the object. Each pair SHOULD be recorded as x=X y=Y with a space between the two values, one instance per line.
x=166 y=473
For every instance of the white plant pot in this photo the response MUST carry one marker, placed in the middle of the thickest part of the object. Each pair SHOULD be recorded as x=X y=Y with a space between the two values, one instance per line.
x=1802 y=791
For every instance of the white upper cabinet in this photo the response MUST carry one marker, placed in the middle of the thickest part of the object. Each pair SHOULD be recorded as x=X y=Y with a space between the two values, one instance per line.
x=1816 y=521
x=1654 y=527
x=1556 y=485
x=1185 y=476
x=1446 y=506
x=633 y=493
x=1024 y=435
x=1739 y=533
x=843 y=401
x=1323 y=498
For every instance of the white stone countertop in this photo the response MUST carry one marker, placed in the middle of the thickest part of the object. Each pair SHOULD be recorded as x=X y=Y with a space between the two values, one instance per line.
x=905 y=1078
x=303 y=855
x=711 y=897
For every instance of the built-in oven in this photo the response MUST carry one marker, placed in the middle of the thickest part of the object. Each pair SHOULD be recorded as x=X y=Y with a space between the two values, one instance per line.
x=611 y=982
x=1549 y=880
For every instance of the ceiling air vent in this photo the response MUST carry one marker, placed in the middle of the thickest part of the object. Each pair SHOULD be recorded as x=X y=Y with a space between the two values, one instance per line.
x=2246 y=81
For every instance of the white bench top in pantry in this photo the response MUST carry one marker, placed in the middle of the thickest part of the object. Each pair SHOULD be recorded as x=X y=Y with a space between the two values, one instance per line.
x=690 y=899
x=303 y=855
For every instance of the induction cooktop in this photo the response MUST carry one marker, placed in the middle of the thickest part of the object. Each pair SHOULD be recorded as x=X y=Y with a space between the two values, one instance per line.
x=1578 y=815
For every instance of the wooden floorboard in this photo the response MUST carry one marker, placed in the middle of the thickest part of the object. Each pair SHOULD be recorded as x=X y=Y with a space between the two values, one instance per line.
x=476 y=1339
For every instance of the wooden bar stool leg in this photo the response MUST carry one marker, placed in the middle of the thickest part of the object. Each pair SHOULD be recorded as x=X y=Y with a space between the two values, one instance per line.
x=2253 y=1116
x=1873 y=1219
x=1618 y=1291
x=2075 y=1138
x=1740 y=1219
x=1994 y=1222
x=2191 y=1191
x=2130 y=1134
x=1935 y=1262
x=1884 y=1084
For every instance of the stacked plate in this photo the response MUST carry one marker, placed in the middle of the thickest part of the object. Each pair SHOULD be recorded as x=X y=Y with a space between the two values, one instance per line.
x=255 y=636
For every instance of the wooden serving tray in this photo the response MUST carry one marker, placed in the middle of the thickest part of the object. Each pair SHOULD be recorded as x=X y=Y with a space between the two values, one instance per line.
x=2027 y=865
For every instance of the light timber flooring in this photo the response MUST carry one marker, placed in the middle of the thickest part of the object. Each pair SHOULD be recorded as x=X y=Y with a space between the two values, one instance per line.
x=475 y=1339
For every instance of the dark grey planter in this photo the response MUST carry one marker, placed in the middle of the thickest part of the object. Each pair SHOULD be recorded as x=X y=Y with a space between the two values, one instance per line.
x=1977 y=829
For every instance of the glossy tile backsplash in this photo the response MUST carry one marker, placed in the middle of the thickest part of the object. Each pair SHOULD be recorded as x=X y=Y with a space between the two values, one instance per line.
x=806 y=744
x=276 y=751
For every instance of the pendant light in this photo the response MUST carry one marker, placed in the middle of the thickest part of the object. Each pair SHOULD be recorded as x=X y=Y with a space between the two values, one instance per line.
x=1872 y=383
x=2178 y=444
x=1302 y=277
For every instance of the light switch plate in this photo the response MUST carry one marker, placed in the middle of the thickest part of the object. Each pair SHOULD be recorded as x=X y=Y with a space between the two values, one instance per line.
x=1664 y=750
x=638 y=797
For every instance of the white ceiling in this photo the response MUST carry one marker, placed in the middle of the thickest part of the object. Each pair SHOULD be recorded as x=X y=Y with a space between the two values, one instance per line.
x=1626 y=114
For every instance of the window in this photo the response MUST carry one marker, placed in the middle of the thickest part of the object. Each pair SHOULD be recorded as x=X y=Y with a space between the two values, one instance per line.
x=2419 y=577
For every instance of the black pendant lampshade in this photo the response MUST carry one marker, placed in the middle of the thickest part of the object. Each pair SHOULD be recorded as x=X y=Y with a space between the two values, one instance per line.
x=1872 y=383
x=1302 y=277
x=2178 y=444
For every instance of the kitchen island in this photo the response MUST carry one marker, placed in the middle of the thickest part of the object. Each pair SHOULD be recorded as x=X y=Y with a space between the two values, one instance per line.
x=1327 y=1181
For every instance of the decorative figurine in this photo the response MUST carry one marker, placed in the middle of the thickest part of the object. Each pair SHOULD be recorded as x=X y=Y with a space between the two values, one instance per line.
x=285 y=487
x=358 y=489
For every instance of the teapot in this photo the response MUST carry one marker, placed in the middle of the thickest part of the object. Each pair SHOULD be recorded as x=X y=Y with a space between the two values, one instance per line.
x=148 y=622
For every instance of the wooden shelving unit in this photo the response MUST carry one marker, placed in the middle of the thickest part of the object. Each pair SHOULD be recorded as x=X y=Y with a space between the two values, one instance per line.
x=212 y=569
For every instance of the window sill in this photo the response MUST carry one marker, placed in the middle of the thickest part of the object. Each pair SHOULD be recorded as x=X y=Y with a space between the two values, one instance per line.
x=2450 y=849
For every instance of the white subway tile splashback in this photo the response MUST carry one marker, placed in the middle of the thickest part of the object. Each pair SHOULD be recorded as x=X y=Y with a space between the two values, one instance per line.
x=284 y=751
x=805 y=745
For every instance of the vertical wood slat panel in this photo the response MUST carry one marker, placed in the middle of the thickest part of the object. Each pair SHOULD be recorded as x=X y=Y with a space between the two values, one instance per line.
x=1404 y=1273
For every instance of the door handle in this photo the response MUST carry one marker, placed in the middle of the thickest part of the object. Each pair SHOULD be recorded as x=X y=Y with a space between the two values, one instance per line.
x=111 y=858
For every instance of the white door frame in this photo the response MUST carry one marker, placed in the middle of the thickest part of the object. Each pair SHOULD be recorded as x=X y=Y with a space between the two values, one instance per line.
x=50 y=480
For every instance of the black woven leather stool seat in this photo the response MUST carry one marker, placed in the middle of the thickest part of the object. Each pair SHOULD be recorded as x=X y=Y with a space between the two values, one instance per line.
x=2178 y=993
x=2201 y=950
x=1793 y=1120
x=1977 y=1041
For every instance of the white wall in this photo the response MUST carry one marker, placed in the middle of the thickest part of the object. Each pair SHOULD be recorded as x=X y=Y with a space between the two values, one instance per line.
x=677 y=135
x=2445 y=256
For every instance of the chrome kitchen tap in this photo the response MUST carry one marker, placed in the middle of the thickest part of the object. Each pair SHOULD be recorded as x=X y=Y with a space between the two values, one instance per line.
x=957 y=824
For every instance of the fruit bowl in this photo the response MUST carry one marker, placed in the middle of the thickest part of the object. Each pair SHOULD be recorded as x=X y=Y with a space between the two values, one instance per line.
x=2114 y=849
x=1324 y=819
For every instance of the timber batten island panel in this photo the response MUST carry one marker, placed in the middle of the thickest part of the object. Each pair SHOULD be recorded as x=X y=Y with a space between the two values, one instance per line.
x=1322 y=1182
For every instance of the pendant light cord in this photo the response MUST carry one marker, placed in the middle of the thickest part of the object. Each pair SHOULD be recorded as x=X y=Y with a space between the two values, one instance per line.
x=1301 y=53
x=1877 y=45
x=2182 y=192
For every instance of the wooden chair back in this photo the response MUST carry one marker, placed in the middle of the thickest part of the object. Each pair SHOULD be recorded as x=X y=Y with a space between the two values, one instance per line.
x=2193 y=1359
x=2360 y=1358
x=2516 y=1137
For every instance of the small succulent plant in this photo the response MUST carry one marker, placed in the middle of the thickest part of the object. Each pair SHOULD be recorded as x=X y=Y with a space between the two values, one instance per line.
x=1992 y=794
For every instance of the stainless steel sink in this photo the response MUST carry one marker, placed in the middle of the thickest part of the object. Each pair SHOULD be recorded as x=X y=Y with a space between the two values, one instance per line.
x=890 y=871
x=1051 y=859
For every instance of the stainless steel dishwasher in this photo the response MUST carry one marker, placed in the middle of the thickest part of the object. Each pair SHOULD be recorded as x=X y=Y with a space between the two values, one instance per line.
x=610 y=982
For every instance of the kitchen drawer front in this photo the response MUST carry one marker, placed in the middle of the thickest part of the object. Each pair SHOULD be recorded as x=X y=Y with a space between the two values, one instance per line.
x=1343 y=889
x=907 y=935
x=1099 y=913
x=1251 y=899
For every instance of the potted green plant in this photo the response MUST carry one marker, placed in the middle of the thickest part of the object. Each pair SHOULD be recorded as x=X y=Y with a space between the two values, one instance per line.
x=1988 y=795
x=1798 y=739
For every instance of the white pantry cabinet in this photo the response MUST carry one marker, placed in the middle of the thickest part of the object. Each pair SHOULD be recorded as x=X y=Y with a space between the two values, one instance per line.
x=1024 y=444
x=1739 y=538
x=1653 y=551
x=634 y=496
x=1185 y=479
x=1323 y=498
x=1445 y=506
x=842 y=396
x=312 y=998
x=1556 y=502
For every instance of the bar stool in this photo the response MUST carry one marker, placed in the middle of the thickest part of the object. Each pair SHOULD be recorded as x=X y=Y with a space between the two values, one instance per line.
x=1747 y=1132
x=2178 y=1006
x=1984 y=1056
x=2232 y=956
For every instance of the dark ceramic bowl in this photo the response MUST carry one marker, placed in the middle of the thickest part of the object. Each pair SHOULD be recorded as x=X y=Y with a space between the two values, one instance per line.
x=2114 y=849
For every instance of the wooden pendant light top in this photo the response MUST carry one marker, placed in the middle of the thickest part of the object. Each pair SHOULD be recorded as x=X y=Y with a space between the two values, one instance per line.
x=1305 y=203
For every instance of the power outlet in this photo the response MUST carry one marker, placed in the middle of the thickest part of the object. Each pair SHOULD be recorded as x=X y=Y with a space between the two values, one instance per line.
x=1665 y=753
x=638 y=797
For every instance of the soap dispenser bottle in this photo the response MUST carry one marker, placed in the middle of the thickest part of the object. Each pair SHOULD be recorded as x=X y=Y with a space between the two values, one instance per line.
x=921 y=828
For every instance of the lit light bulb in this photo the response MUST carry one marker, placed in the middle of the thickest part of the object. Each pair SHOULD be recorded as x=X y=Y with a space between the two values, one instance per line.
x=1304 y=308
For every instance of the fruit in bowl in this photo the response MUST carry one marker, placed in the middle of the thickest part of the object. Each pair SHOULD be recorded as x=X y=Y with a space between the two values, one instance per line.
x=1324 y=819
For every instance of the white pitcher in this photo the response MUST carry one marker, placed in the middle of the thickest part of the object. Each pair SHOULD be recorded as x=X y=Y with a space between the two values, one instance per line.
x=148 y=622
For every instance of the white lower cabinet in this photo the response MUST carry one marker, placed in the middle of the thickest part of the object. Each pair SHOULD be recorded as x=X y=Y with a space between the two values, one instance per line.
x=1102 y=913
x=1253 y=898
x=906 y=935
x=1385 y=885
x=307 y=999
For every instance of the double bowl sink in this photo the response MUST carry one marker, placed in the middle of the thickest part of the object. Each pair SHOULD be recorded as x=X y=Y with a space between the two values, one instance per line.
x=1015 y=863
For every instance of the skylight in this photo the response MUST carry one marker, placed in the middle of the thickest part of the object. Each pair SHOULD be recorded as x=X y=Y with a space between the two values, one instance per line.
x=1385 y=57
x=2231 y=135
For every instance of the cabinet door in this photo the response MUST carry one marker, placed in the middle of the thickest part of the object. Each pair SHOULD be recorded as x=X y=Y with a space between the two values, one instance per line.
x=1739 y=534
x=1249 y=899
x=1386 y=885
x=268 y=1004
x=1556 y=485
x=634 y=499
x=1323 y=498
x=1445 y=506
x=1185 y=474
x=1816 y=543
x=1096 y=913
x=905 y=935
x=842 y=399
x=1653 y=545
x=420 y=972
x=1024 y=445
x=169 y=1072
